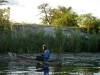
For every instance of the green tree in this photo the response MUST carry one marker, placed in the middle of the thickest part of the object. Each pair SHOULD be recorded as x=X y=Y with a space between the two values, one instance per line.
x=66 y=17
x=89 y=22
x=46 y=13
x=57 y=16
x=4 y=18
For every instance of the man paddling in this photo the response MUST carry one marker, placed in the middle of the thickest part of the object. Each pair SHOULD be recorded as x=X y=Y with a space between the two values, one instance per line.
x=46 y=56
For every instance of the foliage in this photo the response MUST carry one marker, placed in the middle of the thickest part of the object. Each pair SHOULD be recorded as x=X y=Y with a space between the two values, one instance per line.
x=4 y=19
x=94 y=43
x=66 y=17
x=31 y=42
x=57 y=16
x=46 y=10
x=89 y=22
x=63 y=16
x=59 y=39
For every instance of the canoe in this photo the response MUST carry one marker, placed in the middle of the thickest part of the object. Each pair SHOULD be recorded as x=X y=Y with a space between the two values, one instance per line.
x=15 y=57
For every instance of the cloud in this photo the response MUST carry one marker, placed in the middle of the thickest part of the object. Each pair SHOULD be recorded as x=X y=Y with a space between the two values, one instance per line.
x=12 y=2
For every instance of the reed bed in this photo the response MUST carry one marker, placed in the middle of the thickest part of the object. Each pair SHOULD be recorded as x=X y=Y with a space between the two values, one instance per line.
x=31 y=42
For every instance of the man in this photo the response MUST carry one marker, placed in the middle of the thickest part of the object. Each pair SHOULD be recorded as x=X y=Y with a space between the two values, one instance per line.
x=46 y=53
x=46 y=56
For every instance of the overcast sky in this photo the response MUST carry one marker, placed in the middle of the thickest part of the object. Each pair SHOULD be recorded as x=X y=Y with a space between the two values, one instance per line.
x=26 y=10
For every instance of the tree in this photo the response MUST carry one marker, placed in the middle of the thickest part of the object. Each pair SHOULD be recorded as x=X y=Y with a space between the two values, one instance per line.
x=4 y=16
x=58 y=16
x=66 y=17
x=46 y=11
x=4 y=19
x=3 y=1
x=89 y=22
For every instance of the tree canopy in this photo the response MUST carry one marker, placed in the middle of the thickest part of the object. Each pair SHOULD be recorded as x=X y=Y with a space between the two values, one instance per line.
x=57 y=16
x=65 y=16
x=89 y=22
x=4 y=18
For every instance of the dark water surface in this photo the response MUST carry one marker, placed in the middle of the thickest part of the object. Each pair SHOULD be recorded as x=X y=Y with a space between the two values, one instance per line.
x=72 y=64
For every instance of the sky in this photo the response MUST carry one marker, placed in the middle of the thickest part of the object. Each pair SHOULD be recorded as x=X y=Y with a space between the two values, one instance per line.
x=26 y=10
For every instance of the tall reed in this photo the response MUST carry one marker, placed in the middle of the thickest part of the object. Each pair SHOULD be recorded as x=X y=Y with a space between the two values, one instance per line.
x=94 y=43
x=30 y=42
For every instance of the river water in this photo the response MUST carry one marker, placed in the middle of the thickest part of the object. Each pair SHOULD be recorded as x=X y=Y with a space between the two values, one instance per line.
x=72 y=64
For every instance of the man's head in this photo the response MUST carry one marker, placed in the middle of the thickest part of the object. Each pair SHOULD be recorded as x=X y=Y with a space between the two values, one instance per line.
x=44 y=47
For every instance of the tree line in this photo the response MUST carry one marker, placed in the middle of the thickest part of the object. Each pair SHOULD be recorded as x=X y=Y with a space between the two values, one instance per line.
x=60 y=16
x=64 y=16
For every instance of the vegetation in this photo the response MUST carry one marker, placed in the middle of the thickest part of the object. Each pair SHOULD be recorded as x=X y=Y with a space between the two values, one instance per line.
x=57 y=16
x=30 y=42
x=26 y=41
x=4 y=19
x=63 y=16
x=90 y=23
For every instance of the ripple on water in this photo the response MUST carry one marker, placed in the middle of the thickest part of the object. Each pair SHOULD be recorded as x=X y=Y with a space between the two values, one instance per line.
x=73 y=64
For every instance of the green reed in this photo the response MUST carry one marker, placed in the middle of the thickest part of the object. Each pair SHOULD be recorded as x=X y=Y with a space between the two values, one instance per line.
x=94 y=43
x=31 y=42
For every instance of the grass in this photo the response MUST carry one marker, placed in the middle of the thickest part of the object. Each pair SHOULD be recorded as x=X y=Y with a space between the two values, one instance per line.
x=30 y=42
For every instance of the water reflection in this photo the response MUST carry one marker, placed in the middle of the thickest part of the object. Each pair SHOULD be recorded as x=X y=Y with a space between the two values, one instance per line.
x=45 y=70
x=17 y=69
x=77 y=71
x=73 y=64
